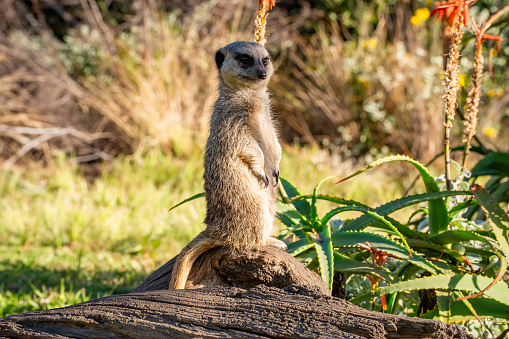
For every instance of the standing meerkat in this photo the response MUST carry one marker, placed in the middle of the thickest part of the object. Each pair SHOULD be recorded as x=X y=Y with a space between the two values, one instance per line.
x=241 y=160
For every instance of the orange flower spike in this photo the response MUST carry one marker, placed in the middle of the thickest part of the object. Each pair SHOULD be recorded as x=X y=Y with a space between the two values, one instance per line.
x=268 y=3
x=465 y=14
x=492 y=37
x=452 y=9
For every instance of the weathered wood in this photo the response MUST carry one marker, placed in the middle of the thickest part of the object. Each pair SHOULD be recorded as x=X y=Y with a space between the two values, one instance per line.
x=297 y=306
x=222 y=312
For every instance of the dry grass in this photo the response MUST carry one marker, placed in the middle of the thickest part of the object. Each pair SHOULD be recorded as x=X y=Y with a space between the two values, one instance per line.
x=358 y=94
x=151 y=86
x=149 y=82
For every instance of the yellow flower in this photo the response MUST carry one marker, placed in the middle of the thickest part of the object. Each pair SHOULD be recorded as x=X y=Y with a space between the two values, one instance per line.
x=371 y=43
x=441 y=75
x=461 y=80
x=500 y=93
x=420 y=15
x=363 y=81
x=491 y=93
x=490 y=132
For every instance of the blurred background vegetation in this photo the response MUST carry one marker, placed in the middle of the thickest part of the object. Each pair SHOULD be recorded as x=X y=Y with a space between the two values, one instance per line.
x=104 y=108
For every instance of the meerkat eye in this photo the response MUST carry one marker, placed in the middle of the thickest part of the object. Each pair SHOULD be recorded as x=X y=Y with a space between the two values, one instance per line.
x=265 y=61
x=244 y=58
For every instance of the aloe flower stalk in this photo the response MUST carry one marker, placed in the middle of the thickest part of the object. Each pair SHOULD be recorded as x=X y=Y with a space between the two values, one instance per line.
x=261 y=20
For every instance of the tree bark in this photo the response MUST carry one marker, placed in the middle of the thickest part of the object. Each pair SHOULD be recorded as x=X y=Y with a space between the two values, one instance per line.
x=262 y=294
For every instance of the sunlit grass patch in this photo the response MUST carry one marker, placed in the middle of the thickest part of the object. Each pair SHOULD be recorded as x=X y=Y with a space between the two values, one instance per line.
x=66 y=239
x=41 y=278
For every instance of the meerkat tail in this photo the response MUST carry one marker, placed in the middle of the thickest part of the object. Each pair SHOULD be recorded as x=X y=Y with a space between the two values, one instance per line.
x=187 y=257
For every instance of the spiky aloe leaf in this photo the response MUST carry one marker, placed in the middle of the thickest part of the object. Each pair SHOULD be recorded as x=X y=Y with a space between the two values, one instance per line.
x=462 y=205
x=461 y=282
x=314 y=213
x=374 y=215
x=288 y=190
x=438 y=219
x=323 y=246
x=199 y=195
x=499 y=220
x=287 y=219
x=484 y=307
x=298 y=247
x=387 y=245
x=289 y=216
x=419 y=244
x=331 y=198
x=398 y=204
x=443 y=301
x=452 y=237
x=344 y=264
x=494 y=163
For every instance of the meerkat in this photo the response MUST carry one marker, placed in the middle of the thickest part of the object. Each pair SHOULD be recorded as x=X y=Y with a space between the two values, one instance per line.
x=241 y=160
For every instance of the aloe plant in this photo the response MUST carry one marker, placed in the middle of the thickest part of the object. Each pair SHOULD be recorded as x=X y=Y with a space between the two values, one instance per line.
x=432 y=250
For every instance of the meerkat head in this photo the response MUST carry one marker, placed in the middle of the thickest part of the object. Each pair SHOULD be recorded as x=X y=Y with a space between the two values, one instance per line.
x=244 y=64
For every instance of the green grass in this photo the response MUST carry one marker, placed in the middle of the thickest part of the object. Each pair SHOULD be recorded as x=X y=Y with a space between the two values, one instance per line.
x=66 y=240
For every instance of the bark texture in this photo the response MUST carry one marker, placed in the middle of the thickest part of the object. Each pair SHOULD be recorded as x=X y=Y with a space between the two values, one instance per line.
x=235 y=303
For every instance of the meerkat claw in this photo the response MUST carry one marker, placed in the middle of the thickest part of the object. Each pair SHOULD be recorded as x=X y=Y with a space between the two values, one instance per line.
x=266 y=180
x=276 y=175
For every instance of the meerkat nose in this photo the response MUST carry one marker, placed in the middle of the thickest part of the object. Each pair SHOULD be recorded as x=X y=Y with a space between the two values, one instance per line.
x=262 y=75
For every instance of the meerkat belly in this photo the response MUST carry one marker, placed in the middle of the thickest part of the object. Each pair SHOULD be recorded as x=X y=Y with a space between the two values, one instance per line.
x=239 y=208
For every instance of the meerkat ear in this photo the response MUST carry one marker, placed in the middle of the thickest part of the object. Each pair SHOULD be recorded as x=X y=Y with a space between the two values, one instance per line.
x=219 y=59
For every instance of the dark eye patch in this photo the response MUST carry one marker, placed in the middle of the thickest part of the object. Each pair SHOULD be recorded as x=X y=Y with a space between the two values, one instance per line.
x=245 y=60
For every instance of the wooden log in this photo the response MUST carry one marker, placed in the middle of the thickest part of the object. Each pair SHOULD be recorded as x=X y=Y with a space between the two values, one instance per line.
x=235 y=303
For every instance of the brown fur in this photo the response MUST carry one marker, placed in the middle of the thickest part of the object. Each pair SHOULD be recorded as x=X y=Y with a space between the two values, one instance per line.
x=241 y=160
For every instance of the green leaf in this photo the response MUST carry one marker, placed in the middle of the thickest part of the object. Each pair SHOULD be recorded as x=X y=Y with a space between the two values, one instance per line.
x=199 y=195
x=286 y=219
x=344 y=264
x=419 y=243
x=438 y=219
x=314 y=213
x=298 y=247
x=500 y=190
x=452 y=237
x=461 y=282
x=443 y=300
x=325 y=254
x=462 y=205
x=396 y=205
x=387 y=245
x=377 y=217
x=494 y=163
x=331 y=198
x=484 y=307
x=499 y=220
x=292 y=191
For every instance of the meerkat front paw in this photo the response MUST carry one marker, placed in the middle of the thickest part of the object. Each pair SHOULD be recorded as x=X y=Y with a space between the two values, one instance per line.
x=277 y=243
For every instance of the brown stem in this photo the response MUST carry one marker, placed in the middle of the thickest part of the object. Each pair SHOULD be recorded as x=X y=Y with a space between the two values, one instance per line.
x=451 y=94
x=493 y=18
x=473 y=100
